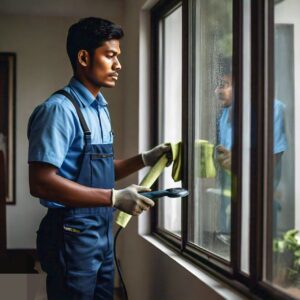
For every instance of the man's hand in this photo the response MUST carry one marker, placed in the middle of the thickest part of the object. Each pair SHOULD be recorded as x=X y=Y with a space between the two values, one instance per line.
x=224 y=157
x=130 y=201
x=152 y=156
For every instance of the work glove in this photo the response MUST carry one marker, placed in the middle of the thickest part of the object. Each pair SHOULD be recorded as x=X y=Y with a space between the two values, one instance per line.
x=130 y=201
x=152 y=156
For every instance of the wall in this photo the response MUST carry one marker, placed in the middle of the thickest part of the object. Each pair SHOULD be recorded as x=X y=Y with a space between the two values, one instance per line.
x=39 y=39
x=111 y=9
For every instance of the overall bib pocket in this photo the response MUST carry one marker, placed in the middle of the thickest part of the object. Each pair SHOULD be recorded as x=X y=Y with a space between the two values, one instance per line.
x=102 y=166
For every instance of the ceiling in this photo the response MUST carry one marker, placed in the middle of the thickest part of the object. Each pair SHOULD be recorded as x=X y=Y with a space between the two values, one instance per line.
x=67 y=8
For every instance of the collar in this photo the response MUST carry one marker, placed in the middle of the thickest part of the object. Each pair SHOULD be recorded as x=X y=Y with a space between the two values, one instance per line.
x=85 y=96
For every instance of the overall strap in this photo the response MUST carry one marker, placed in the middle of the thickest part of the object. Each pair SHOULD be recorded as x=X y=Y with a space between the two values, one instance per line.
x=85 y=128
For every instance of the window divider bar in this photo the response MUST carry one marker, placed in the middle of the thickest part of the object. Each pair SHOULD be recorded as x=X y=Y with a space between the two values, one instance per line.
x=186 y=123
x=268 y=215
x=257 y=169
x=154 y=97
x=237 y=151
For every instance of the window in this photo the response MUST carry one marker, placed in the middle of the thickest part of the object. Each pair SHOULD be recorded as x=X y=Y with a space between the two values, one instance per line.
x=282 y=265
x=224 y=83
x=211 y=73
x=170 y=95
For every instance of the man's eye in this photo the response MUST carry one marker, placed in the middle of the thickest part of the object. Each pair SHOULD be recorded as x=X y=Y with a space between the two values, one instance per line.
x=222 y=85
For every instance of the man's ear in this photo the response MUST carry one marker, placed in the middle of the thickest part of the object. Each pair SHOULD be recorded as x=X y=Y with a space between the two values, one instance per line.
x=83 y=58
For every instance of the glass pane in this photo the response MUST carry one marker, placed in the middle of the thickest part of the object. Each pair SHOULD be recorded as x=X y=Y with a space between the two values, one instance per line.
x=213 y=90
x=283 y=267
x=169 y=216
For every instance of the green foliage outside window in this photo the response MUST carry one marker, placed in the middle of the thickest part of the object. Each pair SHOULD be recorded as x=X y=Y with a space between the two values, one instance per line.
x=287 y=254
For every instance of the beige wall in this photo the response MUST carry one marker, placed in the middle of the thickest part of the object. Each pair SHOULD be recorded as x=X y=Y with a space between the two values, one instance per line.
x=112 y=9
x=42 y=68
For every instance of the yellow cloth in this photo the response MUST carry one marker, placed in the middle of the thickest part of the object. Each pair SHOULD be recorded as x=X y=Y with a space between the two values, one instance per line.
x=205 y=169
x=204 y=161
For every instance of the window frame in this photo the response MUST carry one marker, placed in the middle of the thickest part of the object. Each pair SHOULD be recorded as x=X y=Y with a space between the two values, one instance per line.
x=159 y=11
x=10 y=58
x=162 y=9
x=262 y=93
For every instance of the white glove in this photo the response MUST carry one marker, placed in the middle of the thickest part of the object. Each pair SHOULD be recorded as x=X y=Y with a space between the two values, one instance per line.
x=130 y=201
x=152 y=156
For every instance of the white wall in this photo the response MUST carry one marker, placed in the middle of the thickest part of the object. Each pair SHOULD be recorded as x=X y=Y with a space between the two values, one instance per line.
x=42 y=68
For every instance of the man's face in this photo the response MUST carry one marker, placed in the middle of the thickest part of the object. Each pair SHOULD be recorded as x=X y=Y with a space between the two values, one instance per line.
x=104 y=65
x=224 y=90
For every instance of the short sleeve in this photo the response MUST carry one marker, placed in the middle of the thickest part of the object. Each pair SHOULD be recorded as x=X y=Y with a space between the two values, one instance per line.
x=50 y=132
x=280 y=140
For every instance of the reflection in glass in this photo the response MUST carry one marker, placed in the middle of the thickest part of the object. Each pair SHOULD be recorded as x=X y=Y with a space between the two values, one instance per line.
x=169 y=217
x=283 y=267
x=212 y=47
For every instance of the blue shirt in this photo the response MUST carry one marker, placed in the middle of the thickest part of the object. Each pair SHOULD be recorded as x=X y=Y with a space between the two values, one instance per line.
x=225 y=128
x=55 y=134
x=224 y=136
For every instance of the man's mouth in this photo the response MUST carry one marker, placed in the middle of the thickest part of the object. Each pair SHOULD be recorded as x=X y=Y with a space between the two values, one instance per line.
x=114 y=75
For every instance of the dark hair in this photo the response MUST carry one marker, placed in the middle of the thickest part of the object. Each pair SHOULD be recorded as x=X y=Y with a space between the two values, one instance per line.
x=89 y=34
x=225 y=66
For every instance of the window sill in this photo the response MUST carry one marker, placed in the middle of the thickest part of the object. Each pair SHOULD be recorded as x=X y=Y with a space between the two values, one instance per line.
x=218 y=286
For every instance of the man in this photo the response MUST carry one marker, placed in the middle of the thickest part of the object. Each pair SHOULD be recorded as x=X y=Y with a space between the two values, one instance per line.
x=72 y=169
x=224 y=93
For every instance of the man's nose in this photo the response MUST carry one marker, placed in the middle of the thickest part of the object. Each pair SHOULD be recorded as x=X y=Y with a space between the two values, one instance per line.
x=117 y=66
x=218 y=91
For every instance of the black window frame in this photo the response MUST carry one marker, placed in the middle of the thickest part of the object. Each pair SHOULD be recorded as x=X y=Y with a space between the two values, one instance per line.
x=261 y=169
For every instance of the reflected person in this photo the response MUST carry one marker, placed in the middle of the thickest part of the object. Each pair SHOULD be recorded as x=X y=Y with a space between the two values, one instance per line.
x=224 y=93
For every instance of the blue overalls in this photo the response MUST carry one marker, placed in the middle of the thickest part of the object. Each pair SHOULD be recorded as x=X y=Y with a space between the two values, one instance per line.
x=75 y=245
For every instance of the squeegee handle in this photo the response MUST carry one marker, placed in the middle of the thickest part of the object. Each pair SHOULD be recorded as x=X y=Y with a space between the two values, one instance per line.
x=122 y=218
x=155 y=194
